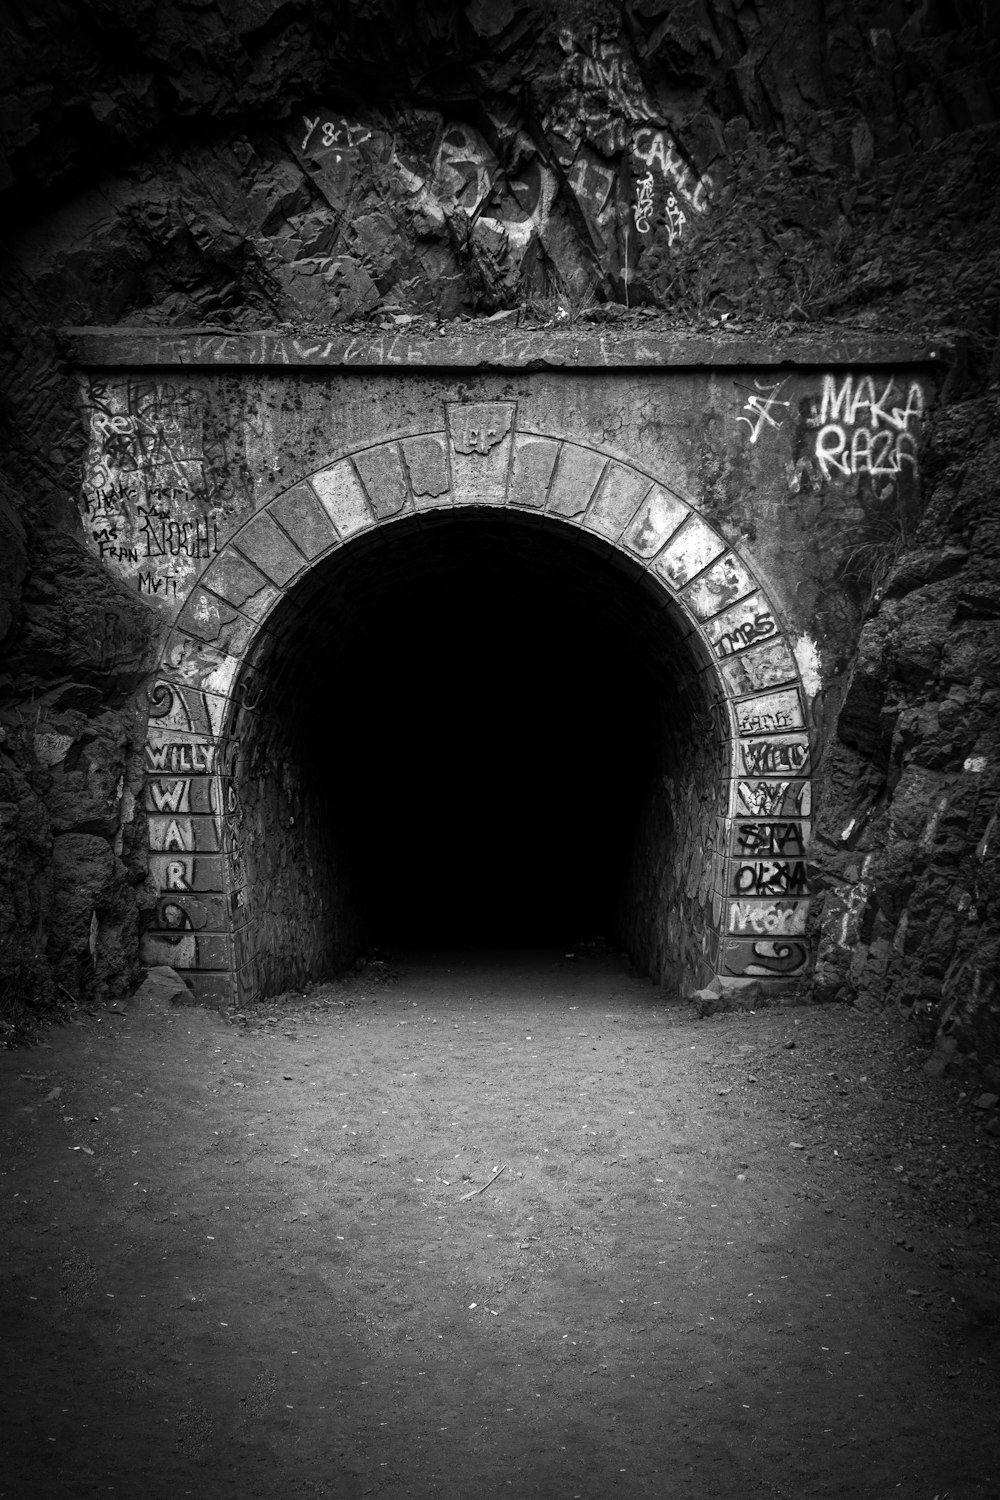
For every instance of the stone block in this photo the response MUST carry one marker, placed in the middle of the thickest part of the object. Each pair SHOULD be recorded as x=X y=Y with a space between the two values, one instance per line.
x=426 y=460
x=769 y=712
x=655 y=523
x=186 y=834
x=774 y=755
x=232 y=635
x=203 y=951
x=260 y=540
x=245 y=941
x=764 y=957
x=719 y=586
x=770 y=838
x=342 y=497
x=741 y=625
x=481 y=442
x=690 y=550
x=205 y=616
x=707 y=1001
x=780 y=918
x=237 y=581
x=206 y=671
x=702 y=654
x=764 y=666
x=176 y=871
x=184 y=752
x=531 y=470
x=381 y=472
x=173 y=796
x=772 y=798
x=299 y=512
x=764 y=876
x=249 y=979
x=180 y=913
x=577 y=473
x=618 y=497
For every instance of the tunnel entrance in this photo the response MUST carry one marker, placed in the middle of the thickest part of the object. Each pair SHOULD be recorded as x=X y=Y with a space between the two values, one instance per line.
x=472 y=723
x=476 y=687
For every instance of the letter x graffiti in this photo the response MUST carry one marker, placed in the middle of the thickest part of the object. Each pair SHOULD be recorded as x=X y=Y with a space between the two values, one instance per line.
x=760 y=403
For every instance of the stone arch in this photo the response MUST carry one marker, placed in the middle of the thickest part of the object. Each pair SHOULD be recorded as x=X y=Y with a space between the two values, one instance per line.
x=753 y=875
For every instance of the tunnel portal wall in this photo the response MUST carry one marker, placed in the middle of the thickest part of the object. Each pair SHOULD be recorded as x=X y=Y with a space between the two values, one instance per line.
x=200 y=494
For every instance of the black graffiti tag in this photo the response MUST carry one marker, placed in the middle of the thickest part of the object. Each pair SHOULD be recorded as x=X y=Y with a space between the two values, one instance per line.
x=771 y=877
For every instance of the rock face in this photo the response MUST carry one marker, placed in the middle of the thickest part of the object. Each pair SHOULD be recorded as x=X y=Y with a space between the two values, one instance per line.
x=907 y=841
x=393 y=165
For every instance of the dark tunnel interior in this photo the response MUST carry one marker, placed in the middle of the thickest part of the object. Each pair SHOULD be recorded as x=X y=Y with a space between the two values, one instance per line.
x=472 y=726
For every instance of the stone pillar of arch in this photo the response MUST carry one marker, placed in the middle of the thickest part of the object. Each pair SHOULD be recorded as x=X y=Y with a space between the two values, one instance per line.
x=747 y=874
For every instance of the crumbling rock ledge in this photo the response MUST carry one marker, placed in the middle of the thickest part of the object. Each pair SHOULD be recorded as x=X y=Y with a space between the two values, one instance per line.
x=483 y=347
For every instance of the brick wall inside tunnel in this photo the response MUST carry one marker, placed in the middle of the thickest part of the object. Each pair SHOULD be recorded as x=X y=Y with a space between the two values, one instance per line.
x=476 y=723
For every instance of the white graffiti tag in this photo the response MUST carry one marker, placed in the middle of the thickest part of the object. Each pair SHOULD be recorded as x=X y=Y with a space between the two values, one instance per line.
x=861 y=432
x=644 y=203
x=760 y=403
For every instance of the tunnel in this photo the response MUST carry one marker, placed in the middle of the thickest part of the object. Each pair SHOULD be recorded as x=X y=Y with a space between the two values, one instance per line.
x=477 y=731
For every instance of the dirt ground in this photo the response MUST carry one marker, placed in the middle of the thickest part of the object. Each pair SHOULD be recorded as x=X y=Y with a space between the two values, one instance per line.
x=751 y=1255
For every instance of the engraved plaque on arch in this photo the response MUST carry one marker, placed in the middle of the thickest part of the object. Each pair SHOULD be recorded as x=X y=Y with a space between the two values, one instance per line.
x=480 y=435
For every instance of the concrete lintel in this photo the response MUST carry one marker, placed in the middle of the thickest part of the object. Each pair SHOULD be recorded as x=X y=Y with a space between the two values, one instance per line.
x=489 y=348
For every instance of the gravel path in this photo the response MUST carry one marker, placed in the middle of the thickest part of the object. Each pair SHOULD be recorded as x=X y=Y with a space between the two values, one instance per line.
x=751 y=1255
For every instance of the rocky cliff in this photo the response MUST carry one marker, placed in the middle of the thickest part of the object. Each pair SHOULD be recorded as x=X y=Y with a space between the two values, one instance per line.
x=764 y=166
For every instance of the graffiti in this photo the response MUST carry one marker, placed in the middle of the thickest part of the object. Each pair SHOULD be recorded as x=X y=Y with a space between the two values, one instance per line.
x=466 y=175
x=601 y=95
x=593 y=184
x=464 y=168
x=182 y=800
x=169 y=796
x=775 y=918
x=785 y=840
x=675 y=219
x=174 y=942
x=182 y=755
x=157 y=476
x=119 y=643
x=667 y=178
x=166 y=834
x=760 y=402
x=643 y=212
x=654 y=148
x=605 y=71
x=770 y=712
x=148 y=583
x=765 y=957
x=166 y=537
x=745 y=634
x=786 y=756
x=770 y=799
x=770 y=877
x=107 y=550
x=333 y=133
x=152 y=432
x=764 y=720
x=176 y=876
x=109 y=499
x=862 y=432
